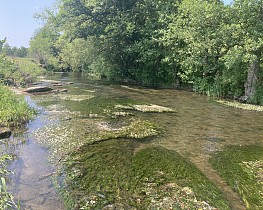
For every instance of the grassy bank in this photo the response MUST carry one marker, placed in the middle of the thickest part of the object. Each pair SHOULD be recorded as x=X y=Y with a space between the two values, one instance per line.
x=19 y=71
x=242 y=168
x=14 y=110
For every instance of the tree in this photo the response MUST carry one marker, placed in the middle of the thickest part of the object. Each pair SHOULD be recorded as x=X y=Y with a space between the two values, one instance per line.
x=21 y=52
x=249 y=17
x=43 y=47
x=194 y=41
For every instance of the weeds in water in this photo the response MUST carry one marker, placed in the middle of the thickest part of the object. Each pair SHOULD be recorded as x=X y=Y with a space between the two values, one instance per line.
x=109 y=175
x=239 y=105
x=7 y=200
x=241 y=167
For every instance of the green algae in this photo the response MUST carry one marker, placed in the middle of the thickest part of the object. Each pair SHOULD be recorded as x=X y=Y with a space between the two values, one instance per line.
x=94 y=144
x=241 y=167
x=68 y=136
x=239 y=105
x=145 y=108
x=112 y=175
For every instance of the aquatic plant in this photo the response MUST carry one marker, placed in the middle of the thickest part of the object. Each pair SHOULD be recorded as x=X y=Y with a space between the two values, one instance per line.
x=112 y=175
x=68 y=97
x=67 y=136
x=241 y=167
x=6 y=199
x=145 y=108
x=239 y=105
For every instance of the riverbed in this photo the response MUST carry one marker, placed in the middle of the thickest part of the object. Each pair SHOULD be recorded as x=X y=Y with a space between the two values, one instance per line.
x=198 y=127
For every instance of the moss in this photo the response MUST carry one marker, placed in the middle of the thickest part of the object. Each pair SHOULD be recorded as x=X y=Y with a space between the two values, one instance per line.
x=234 y=164
x=111 y=176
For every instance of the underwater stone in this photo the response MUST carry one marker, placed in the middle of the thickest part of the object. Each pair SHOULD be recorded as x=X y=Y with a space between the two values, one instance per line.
x=38 y=89
x=5 y=133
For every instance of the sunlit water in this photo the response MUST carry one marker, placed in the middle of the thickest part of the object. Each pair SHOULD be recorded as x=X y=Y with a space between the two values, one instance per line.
x=31 y=183
x=199 y=127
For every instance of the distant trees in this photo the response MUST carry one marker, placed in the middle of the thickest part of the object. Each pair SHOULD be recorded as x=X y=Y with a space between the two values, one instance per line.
x=14 y=51
x=217 y=49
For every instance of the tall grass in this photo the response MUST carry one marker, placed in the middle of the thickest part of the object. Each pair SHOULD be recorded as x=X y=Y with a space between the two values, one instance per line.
x=14 y=110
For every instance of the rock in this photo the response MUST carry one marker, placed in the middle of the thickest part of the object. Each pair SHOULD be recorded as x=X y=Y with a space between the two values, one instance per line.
x=69 y=83
x=5 y=133
x=36 y=83
x=63 y=90
x=38 y=89
x=57 y=85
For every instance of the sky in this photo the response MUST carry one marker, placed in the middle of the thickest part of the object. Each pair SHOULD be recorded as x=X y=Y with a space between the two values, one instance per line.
x=17 y=22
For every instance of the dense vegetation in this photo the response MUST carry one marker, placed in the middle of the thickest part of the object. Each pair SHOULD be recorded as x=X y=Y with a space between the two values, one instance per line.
x=241 y=167
x=214 y=48
x=14 y=110
x=17 y=71
x=14 y=51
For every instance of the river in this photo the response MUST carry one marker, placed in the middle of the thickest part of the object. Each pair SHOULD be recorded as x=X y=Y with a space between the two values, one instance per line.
x=199 y=127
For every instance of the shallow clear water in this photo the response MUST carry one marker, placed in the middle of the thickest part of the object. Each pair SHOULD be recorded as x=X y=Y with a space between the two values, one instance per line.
x=31 y=182
x=199 y=127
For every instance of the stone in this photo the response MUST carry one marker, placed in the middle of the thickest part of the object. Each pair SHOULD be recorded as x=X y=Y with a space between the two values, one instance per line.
x=63 y=90
x=57 y=85
x=38 y=89
x=5 y=133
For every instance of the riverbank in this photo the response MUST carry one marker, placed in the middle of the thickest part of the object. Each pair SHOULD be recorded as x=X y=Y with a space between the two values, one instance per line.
x=14 y=112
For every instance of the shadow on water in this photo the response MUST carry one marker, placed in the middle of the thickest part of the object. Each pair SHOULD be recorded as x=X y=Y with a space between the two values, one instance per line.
x=27 y=182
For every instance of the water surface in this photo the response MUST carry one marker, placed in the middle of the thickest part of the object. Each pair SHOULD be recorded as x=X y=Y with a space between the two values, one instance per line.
x=199 y=127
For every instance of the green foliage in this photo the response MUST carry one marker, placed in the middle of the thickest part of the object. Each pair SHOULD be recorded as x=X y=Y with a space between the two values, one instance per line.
x=43 y=49
x=230 y=165
x=14 y=51
x=14 y=110
x=206 y=44
x=18 y=71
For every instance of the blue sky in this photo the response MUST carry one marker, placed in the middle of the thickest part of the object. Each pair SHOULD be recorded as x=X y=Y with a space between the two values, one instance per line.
x=17 y=22
x=16 y=19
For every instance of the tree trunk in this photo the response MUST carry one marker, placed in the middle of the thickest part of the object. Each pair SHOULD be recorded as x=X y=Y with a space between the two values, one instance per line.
x=252 y=79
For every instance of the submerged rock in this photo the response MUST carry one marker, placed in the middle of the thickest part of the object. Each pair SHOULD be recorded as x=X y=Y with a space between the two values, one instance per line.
x=5 y=133
x=216 y=139
x=38 y=89
x=57 y=85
